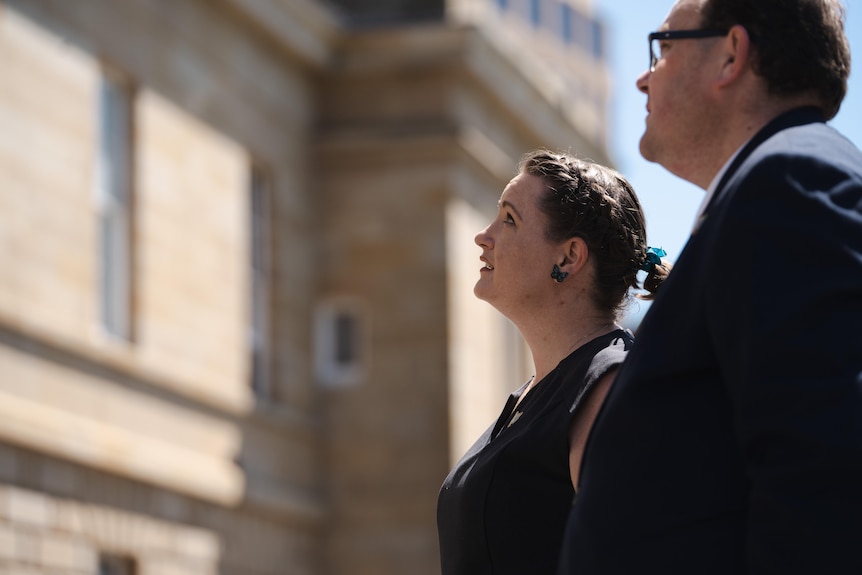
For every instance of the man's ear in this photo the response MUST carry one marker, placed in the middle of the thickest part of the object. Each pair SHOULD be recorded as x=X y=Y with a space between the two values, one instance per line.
x=735 y=51
x=575 y=255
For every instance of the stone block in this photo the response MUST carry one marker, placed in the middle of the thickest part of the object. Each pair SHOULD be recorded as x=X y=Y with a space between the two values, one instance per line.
x=63 y=552
x=26 y=507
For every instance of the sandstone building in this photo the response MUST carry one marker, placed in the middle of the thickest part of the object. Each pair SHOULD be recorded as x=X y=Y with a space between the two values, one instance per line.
x=237 y=329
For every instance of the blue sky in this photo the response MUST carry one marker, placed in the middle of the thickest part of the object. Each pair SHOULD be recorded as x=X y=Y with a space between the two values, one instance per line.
x=670 y=203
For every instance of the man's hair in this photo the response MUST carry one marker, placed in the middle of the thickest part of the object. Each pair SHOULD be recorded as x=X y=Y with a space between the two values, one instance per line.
x=799 y=46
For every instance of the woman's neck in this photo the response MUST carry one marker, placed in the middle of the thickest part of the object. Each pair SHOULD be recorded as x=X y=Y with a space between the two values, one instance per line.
x=553 y=346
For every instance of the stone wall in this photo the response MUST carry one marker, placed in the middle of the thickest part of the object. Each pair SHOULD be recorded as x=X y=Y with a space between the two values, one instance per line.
x=60 y=518
x=167 y=415
x=383 y=151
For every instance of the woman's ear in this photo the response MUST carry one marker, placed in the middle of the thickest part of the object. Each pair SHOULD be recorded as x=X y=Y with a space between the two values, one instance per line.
x=575 y=255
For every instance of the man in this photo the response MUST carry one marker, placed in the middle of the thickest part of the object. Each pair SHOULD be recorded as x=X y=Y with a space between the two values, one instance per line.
x=731 y=441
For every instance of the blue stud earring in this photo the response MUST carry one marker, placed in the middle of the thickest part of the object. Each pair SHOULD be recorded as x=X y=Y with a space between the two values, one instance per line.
x=558 y=274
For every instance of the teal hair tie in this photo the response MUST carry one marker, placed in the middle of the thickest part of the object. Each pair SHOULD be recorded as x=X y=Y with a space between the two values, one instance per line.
x=653 y=258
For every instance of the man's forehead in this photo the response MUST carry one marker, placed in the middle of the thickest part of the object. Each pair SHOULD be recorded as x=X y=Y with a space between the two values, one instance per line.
x=685 y=14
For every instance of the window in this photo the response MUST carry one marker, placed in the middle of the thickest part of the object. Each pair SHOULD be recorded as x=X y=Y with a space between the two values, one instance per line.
x=598 y=37
x=340 y=342
x=114 y=205
x=260 y=277
x=116 y=565
x=535 y=12
x=566 y=23
x=346 y=329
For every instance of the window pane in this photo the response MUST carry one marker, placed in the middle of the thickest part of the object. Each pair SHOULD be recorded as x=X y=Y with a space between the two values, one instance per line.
x=259 y=238
x=345 y=339
x=116 y=565
x=114 y=206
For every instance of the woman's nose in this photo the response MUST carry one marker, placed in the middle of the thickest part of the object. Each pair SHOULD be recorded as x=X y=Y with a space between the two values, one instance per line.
x=483 y=238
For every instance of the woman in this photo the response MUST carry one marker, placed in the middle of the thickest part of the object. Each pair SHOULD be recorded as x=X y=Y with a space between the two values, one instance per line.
x=560 y=257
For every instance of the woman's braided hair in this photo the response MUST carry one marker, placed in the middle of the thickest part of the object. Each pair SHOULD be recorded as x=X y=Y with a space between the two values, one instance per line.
x=597 y=204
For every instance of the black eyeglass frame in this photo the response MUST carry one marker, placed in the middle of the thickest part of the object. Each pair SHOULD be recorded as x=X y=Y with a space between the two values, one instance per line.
x=679 y=35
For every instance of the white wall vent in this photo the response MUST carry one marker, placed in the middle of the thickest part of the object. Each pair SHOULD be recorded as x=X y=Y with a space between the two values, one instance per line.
x=341 y=342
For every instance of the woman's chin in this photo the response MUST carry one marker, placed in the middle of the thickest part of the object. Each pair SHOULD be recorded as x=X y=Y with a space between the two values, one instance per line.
x=478 y=291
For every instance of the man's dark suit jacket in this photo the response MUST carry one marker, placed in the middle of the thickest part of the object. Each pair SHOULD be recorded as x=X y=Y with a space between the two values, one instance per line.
x=731 y=441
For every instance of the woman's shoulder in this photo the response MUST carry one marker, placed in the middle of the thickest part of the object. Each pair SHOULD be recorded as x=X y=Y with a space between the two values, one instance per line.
x=594 y=359
x=611 y=351
x=615 y=343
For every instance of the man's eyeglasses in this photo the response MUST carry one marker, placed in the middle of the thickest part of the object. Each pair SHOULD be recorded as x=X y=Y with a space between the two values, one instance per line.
x=676 y=35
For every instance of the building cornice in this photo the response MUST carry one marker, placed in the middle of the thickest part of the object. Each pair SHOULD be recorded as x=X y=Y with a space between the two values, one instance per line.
x=533 y=97
x=304 y=28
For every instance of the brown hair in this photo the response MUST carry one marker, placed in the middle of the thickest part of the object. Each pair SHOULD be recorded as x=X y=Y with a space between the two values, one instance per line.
x=799 y=46
x=593 y=202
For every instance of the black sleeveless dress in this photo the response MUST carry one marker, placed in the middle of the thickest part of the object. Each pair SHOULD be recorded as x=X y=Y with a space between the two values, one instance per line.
x=503 y=508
